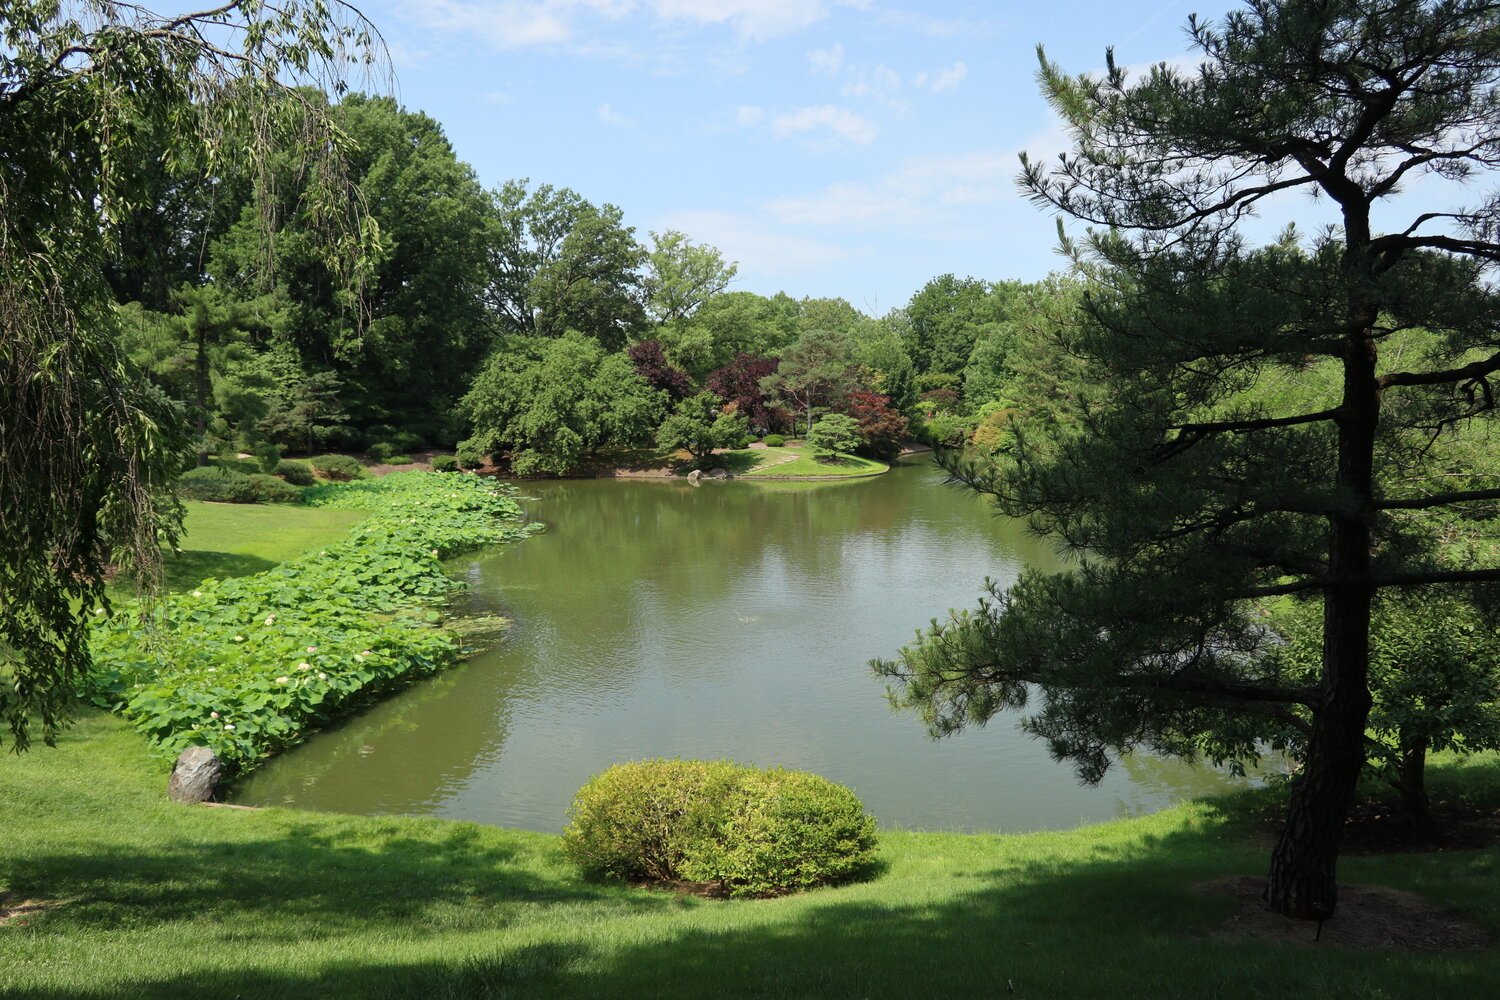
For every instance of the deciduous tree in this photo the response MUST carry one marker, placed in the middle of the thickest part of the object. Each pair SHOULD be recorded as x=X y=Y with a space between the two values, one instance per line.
x=699 y=425
x=551 y=402
x=681 y=275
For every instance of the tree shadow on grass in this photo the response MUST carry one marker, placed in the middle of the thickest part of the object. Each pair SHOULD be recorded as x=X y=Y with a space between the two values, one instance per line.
x=1117 y=921
x=738 y=462
x=305 y=880
x=186 y=569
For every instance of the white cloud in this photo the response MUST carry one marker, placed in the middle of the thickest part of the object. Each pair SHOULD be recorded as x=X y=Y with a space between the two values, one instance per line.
x=515 y=24
x=881 y=83
x=497 y=97
x=760 y=249
x=748 y=115
x=505 y=24
x=826 y=62
x=934 y=27
x=753 y=20
x=842 y=122
x=610 y=116
x=930 y=196
x=945 y=79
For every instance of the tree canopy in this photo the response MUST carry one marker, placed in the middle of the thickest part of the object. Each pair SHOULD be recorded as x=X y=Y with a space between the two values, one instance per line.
x=552 y=402
x=1183 y=498
x=86 y=90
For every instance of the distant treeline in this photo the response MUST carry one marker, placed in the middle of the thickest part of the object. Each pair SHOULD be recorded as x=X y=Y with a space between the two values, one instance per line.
x=526 y=321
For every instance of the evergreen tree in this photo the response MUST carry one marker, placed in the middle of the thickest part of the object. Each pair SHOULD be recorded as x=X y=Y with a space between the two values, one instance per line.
x=1184 y=501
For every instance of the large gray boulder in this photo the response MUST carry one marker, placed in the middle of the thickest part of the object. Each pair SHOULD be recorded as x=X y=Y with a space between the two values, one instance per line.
x=195 y=776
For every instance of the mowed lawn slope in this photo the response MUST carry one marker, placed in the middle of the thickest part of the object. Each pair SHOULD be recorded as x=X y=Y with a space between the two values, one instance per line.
x=109 y=890
x=141 y=897
x=223 y=540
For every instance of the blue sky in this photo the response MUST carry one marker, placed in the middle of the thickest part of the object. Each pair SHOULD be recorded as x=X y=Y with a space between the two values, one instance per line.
x=850 y=149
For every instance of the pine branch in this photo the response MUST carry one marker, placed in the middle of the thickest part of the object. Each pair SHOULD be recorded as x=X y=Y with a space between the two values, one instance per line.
x=1241 y=426
x=1283 y=589
x=1473 y=372
x=1439 y=500
x=1415 y=579
x=1438 y=576
x=1190 y=434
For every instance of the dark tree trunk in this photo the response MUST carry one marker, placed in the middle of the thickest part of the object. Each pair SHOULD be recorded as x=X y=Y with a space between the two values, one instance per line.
x=1302 y=880
x=1411 y=782
x=1303 y=865
x=202 y=391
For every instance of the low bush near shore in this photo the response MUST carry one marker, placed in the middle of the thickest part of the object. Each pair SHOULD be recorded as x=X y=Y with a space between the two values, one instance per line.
x=752 y=832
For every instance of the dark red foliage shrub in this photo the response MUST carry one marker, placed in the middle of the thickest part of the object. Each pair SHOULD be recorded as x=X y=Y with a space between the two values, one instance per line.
x=881 y=426
x=738 y=383
x=652 y=365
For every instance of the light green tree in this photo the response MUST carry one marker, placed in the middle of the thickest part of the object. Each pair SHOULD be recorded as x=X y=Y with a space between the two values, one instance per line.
x=681 y=275
x=699 y=424
x=832 y=434
x=552 y=402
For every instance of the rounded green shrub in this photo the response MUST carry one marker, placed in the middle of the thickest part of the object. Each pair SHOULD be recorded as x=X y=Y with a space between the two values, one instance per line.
x=337 y=467
x=444 y=463
x=832 y=434
x=387 y=452
x=296 y=473
x=335 y=437
x=471 y=458
x=217 y=485
x=753 y=832
x=774 y=440
x=270 y=489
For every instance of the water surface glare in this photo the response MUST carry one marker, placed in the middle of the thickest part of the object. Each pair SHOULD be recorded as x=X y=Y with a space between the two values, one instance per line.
x=735 y=619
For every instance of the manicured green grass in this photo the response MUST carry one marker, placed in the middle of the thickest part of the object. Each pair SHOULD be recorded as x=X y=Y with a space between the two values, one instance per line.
x=154 y=899
x=223 y=540
x=804 y=464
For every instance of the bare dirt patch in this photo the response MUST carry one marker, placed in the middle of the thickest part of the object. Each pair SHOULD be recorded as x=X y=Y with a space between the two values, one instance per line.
x=1368 y=918
x=19 y=911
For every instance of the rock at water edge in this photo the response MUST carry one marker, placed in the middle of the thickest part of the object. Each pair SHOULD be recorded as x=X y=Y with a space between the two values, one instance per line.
x=195 y=776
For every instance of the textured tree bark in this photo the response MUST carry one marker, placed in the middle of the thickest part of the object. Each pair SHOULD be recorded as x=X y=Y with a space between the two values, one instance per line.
x=1302 y=880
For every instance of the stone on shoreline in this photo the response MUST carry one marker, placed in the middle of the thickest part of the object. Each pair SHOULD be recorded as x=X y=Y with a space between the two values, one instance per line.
x=195 y=776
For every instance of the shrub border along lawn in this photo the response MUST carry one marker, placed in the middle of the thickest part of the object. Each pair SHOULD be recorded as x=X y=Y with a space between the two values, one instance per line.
x=249 y=665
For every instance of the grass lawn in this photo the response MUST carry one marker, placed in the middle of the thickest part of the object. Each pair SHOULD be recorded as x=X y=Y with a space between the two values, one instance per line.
x=135 y=896
x=237 y=539
x=803 y=464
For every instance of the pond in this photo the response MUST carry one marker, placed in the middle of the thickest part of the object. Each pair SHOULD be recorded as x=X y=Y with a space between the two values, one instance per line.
x=734 y=619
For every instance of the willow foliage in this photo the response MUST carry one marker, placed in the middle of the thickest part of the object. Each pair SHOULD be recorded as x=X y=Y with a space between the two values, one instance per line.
x=87 y=88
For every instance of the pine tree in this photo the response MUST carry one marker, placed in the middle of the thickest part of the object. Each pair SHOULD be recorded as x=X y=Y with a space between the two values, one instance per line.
x=1187 y=493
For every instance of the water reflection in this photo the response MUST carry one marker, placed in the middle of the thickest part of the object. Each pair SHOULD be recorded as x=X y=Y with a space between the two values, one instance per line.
x=732 y=620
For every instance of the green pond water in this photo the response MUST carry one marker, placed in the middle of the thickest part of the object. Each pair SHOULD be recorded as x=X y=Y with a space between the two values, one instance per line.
x=734 y=619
